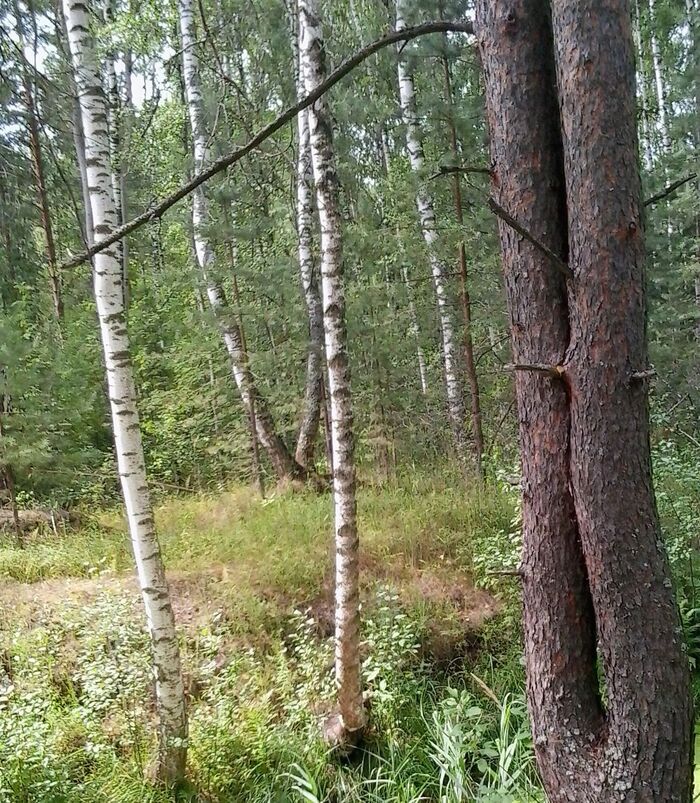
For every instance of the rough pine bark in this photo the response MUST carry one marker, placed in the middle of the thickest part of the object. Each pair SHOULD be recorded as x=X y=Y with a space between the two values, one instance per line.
x=170 y=697
x=426 y=214
x=313 y=392
x=282 y=461
x=351 y=719
x=516 y=51
x=647 y=738
x=596 y=590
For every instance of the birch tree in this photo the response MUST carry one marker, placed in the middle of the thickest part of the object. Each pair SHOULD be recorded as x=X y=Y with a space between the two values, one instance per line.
x=170 y=697
x=313 y=394
x=115 y=145
x=428 y=224
x=659 y=82
x=282 y=461
x=347 y=727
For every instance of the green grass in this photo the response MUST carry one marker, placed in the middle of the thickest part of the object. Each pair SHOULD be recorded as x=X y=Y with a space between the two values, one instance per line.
x=76 y=720
x=265 y=557
x=251 y=585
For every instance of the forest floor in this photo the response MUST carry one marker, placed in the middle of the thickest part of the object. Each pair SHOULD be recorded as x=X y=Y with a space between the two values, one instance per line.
x=251 y=583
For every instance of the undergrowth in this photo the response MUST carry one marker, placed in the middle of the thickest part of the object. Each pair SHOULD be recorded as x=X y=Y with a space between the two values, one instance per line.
x=250 y=581
x=76 y=715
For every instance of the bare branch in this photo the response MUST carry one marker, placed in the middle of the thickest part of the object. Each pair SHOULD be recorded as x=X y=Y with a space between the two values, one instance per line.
x=265 y=133
x=556 y=260
x=555 y=371
x=447 y=170
x=648 y=373
x=669 y=189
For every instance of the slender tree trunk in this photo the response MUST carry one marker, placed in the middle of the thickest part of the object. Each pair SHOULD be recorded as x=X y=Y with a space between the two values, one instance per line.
x=114 y=112
x=308 y=429
x=415 y=331
x=8 y=289
x=412 y=314
x=170 y=697
x=37 y=160
x=76 y=126
x=7 y=477
x=252 y=416
x=647 y=148
x=469 y=362
x=693 y=13
x=351 y=720
x=79 y=146
x=659 y=83
x=327 y=427
x=283 y=463
x=596 y=589
x=426 y=213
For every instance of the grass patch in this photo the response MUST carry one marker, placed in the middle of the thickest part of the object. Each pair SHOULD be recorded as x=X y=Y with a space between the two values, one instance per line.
x=251 y=584
x=257 y=559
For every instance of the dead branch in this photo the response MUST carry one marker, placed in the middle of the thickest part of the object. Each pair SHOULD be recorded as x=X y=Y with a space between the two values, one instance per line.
x=555 y=371
x=556 y=260
x=669 y=189
x=158 y=209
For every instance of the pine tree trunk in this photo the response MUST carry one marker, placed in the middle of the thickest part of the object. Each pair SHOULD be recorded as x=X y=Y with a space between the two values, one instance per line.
x=351 y=720
x=37 y=160
x=469 y=361
x=426 y=214
x=648 y=717
x=596 y=589
x=282 y=461
x=308 y=429
x=170 y=698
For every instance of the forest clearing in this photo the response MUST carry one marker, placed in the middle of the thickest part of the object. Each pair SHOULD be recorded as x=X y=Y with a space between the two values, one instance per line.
x=349 y=401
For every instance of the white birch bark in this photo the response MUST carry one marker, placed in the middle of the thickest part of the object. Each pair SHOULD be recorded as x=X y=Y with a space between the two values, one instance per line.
x=415 y=331
x=115 y=148
x=78 y=138
x=659 y=80
x=283 y=463
x=313 y=392
x=351 y=718
x=170 y=697
x=646 y=145
x=426 y=214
